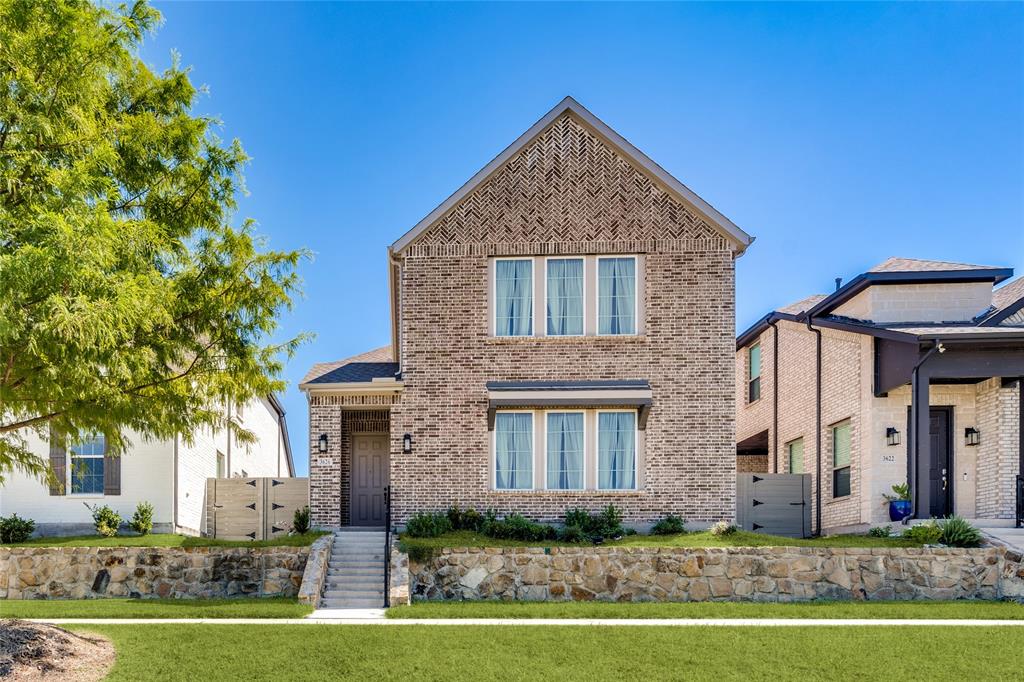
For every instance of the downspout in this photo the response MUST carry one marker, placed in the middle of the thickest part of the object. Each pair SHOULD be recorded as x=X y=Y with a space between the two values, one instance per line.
x=912 y=452
x=775 y=394
x=279 y=445
x=227 y=457
x=817 y=423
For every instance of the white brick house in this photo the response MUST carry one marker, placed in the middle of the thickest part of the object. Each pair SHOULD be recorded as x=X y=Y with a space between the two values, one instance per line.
x=169 y=474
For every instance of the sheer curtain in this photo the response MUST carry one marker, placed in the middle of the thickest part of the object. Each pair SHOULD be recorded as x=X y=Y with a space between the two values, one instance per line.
x=616 y=450
x=565 y=296
x=616 y=296
x=513 y=435
x=513 y=305
x=565 y=450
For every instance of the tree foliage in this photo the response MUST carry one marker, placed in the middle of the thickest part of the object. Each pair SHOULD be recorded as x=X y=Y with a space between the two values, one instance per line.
x=128 y=300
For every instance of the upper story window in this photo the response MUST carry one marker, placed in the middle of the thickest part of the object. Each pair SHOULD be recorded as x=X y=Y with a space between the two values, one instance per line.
x=564 y=287
x=87 y=465
x=513 y=297
x=841 y=442
x=567 y=296
x=616 y=295
x=754 y=373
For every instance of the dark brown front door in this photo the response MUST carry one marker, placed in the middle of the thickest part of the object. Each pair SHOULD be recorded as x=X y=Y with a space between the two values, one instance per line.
x=940 y=471
x=369 y=478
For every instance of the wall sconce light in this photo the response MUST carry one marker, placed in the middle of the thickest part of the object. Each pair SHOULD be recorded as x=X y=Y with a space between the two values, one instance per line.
x=892 y=436
x=407 y=444
x=972 y=436
x=322 y=444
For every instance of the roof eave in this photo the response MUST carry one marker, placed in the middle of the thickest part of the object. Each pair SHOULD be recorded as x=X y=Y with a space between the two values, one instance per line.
x=737 y=236
x=352 y=387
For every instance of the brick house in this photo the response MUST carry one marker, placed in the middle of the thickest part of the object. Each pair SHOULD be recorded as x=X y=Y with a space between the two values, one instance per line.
x=908 y=347
x=561 y=336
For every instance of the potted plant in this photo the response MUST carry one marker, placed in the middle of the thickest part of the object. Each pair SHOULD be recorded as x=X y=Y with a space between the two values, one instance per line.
x=899 y=502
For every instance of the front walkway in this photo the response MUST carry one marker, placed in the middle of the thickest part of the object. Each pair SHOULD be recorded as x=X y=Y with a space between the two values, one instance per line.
x=1014 y=537
x=544 y=622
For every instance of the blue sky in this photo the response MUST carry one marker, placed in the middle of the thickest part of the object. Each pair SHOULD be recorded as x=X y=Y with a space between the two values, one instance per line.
x=836 y=134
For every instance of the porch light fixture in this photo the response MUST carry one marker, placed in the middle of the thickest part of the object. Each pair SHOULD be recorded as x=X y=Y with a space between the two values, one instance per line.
x=407 y=444
x=972 y=436
x=322 y=444
x=892 y=436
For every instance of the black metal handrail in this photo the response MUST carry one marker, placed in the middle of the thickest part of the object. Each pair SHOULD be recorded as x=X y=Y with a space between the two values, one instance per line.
x=1020 y=501
x=387 y=546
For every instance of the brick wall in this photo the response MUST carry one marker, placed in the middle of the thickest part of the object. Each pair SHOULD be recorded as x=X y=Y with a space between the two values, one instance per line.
x=568 y=192
x=752 y=464
x=998 y=463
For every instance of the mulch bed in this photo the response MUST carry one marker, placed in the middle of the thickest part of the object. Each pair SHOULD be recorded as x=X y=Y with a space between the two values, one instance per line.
x=35 y=651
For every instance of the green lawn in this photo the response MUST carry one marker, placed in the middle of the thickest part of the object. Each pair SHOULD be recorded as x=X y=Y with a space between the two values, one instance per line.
x=702 y=539
x=166 y=540
x=322 y=652
x=495 y=609
x=271 y=607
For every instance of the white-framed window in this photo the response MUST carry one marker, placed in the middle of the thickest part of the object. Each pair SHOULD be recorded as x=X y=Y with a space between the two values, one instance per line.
x=513 y=297
x=564 y=293
x=841 y=449
x=616 y=449
x=86 y=464
x=565 y=449
x=222 y=469
x=513 y=450
x=795 y=453
x=616 y=295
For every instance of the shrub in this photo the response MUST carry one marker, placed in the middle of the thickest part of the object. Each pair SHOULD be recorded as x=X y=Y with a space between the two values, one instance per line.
x=106 y=520
x=13 y=528
x=142 y=519
x=880 y=532
x=670 y=525
x=927 y=533
x=610 y=522
x=901 y=492
x=958 y=532
x=427 y=525
x=597 y=527
x=572 y=534
x=723 y=528
x=515 y=526
x=577 y=517
x=301 y=521
x=469 y=519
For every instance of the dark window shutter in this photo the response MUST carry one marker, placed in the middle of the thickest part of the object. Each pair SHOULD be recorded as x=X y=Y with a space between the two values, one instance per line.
x=58 y=462
x=111 y=473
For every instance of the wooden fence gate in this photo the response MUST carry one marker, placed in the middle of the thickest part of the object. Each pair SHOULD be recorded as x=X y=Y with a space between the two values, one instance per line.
x=777 y=504
x=253 y=508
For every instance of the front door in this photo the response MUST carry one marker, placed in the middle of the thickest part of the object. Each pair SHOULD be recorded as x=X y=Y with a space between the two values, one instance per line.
x=369 y=478
x=940 y=471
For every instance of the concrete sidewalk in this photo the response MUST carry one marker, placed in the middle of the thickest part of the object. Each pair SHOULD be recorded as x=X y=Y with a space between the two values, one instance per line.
x=546 y=622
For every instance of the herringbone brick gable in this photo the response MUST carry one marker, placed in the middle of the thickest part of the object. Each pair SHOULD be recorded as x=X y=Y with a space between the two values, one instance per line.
x=568 y=187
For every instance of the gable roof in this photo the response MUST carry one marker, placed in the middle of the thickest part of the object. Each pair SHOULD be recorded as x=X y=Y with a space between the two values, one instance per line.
x=896 y=264
x=728 y=229
x=803 y=304
x=376 y=356
x=1008 y=294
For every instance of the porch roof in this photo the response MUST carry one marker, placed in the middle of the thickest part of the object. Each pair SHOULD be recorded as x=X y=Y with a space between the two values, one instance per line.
x=570 y=394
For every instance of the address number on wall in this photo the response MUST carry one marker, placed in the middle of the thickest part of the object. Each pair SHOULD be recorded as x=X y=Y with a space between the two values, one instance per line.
x=323 y=461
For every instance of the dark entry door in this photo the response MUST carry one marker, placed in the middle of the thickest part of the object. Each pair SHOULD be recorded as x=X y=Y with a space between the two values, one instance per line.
x=940 y=471
x=369 y=478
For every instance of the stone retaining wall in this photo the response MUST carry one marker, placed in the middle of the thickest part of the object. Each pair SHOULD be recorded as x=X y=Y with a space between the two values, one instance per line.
x=767 y=574
x=150 y=572
x=315 y=574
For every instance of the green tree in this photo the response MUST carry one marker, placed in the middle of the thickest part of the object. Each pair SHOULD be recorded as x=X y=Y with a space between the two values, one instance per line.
x=127 y=298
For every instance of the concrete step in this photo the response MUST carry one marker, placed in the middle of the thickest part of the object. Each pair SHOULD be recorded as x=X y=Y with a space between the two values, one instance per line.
x=352 y=603
x=355 y=594
x=357 y=558
x=356 y=573
x=362 y=582
x=360 y=529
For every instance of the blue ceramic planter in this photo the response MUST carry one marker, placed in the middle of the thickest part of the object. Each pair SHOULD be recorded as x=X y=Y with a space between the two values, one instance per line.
x=899 y=510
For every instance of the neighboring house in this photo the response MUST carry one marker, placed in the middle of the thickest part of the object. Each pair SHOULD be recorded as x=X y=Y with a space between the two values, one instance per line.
x=908 y=347
x=169 y=474
x=561 y=337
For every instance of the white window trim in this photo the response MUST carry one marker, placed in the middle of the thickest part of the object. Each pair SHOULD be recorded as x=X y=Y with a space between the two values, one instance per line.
x=832 y=455
x=69 y=472
x=533 y=453
x=583 y=473
x=533 y=299
x=544 y=331
x=636 y=294
x=636 y=450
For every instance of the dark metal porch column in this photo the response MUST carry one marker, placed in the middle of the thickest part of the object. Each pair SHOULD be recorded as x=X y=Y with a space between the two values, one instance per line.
x=920 y=424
